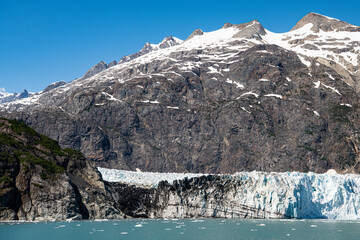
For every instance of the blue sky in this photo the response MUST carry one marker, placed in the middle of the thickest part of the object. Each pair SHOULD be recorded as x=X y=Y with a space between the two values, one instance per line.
x=47 y=41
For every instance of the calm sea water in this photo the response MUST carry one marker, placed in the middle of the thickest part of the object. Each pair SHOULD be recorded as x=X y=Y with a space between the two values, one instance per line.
x=209 y=229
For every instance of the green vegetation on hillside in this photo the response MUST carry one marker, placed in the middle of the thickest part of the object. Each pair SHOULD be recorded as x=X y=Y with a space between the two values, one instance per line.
x=50 y=167
x=19 y=141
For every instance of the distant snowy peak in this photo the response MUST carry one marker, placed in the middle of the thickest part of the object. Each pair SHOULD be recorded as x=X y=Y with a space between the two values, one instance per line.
x=27 y=97
x=10 y=97
x=4 y=94
x=148 y=47
x=326 y=24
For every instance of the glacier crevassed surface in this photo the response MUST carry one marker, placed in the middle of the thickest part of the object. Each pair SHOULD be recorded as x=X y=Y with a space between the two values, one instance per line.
x=292 y=194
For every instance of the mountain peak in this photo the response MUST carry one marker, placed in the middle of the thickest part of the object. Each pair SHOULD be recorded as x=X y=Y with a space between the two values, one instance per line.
x=195 y=33
x=227 y=25
x=167 y=42
x=147 y=48
x=99 y=67
x=24 y=94
x=53 y=86
x=252 y=29
x=323 y=23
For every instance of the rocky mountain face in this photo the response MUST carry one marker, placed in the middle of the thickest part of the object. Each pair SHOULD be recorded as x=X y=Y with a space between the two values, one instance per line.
x=41 y=181
x=237 y=99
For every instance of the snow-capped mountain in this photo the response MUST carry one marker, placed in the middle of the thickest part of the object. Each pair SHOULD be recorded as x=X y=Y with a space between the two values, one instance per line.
x=238 y=98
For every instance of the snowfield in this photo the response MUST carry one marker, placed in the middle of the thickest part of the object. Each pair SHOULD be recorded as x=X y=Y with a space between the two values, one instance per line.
x=294 y=194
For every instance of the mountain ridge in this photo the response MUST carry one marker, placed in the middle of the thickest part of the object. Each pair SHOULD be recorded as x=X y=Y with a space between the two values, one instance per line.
x=148 y=47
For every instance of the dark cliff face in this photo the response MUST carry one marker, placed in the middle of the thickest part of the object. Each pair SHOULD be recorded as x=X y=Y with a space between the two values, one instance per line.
x=201 y=122
x=41 y=181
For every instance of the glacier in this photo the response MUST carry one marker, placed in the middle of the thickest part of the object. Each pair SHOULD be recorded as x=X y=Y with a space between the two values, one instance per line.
x=287 y=194
x=142 y=178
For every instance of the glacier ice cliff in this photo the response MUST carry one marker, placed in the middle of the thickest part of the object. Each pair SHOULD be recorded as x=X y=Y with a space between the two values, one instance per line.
x=241 y=195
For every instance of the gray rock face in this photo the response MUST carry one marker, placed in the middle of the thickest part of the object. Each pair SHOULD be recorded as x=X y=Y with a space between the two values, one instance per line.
x=196 y=32
x=53 y=86
x=168 y=42
x=113 y=63
x=227 y=25
x=101 y=66
x=250 y=30
x=24 y=94
x=324 y=23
